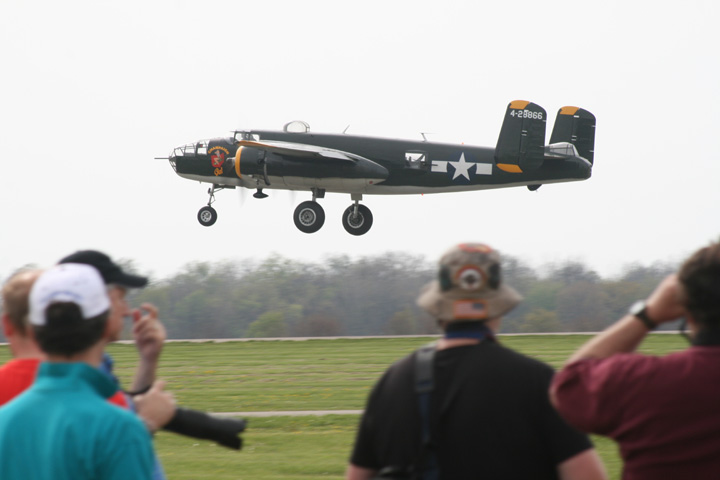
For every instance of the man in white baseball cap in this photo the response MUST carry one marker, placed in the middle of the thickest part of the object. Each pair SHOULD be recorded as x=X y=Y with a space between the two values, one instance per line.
x=62 y=427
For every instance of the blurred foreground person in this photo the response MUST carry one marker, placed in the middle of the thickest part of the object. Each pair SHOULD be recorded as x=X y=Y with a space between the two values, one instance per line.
x=148 y=332
x=663 y=411
x=155 y=407
x=466 y=407
x=149 y=335
x=62 y=427
x=18 y=374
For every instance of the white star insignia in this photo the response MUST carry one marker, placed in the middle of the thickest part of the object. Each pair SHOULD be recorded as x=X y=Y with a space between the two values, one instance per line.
x=462 y=167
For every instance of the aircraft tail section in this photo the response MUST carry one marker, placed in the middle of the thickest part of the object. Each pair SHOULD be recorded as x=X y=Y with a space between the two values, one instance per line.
x=576 y=126
x=520 y=146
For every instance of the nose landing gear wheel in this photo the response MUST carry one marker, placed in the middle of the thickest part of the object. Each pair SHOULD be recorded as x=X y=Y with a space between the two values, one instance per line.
x=357 y=224
x=309 y=217
x=207 y=216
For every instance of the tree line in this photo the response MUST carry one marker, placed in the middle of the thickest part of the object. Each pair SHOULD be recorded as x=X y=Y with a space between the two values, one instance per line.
x=375 y=295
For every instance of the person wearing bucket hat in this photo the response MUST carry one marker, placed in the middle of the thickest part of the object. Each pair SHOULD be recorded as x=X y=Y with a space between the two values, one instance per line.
x=466 y=406
x=469 y=287
x=62 y=426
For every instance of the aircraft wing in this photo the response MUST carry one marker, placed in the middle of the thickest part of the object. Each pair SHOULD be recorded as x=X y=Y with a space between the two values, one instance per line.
x=302 y=150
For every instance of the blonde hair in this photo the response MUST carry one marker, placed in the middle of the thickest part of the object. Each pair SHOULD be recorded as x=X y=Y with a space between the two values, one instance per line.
x=15 y=295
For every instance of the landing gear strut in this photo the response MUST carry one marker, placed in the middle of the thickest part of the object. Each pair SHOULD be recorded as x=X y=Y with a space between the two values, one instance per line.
x=207 y=214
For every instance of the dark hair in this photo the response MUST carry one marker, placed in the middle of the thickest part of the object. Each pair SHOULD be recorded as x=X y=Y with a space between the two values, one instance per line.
x=66 y=332
x=700 y=279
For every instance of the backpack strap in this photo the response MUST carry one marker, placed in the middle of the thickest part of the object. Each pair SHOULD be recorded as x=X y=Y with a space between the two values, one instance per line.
x=424 y=384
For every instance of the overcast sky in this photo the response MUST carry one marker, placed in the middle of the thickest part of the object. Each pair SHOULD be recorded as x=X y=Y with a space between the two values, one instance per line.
x=92 y=91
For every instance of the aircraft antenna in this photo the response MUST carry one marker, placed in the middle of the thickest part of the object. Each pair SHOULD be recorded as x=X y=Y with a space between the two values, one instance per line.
x=424 y=137
x=346 y=128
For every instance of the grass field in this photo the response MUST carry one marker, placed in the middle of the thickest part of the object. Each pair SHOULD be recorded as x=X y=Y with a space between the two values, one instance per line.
x=259 y=376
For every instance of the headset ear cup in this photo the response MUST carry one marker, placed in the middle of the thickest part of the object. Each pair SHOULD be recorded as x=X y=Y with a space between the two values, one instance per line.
x=494 y=276
x=444 y=279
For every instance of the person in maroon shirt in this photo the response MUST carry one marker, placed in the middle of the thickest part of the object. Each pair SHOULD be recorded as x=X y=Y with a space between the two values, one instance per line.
x=662 y=411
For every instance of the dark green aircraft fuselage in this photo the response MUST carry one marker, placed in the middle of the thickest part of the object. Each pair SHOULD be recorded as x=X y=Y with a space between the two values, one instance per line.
x=385 y=166
x=298 y=159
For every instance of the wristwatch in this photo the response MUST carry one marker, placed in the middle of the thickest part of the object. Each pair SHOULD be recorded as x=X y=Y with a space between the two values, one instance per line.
x=639 y=311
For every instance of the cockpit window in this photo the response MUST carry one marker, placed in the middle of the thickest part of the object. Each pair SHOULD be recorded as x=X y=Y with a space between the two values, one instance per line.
x=191 y=149
x=296 y=126
x=185 y=150
x=242 y=135
x=416 y=159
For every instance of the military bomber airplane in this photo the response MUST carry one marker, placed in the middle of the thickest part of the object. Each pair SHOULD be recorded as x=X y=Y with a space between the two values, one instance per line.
x=298 y=159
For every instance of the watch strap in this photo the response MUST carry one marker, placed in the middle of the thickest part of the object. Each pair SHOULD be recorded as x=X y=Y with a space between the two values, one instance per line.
x=642 y=315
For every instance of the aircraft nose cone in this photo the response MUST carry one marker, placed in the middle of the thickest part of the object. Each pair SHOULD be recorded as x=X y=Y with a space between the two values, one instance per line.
x=173 y=161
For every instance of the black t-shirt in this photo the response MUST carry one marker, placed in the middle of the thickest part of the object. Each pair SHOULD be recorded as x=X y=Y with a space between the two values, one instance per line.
x=495 y=418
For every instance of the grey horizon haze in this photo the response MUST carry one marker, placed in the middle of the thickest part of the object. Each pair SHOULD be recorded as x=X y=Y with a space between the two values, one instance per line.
x=91 y=92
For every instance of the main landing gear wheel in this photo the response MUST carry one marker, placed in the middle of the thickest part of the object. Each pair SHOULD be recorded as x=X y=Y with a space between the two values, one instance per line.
x=309 y=217
x=357 y=223
x=207 y=216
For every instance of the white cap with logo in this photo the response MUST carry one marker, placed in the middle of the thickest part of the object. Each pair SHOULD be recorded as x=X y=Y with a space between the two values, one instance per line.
x=69 y=282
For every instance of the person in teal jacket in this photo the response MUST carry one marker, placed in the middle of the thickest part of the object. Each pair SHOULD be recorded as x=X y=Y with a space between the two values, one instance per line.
x=62 y=427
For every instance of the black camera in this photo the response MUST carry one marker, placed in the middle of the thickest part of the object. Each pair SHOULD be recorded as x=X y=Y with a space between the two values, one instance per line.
x=192 y=423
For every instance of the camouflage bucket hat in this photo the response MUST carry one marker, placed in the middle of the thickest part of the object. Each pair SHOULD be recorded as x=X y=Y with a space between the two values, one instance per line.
x=469 y=286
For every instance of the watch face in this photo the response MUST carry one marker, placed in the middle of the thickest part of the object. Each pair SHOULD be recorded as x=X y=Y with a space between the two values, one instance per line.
x=637 y=307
